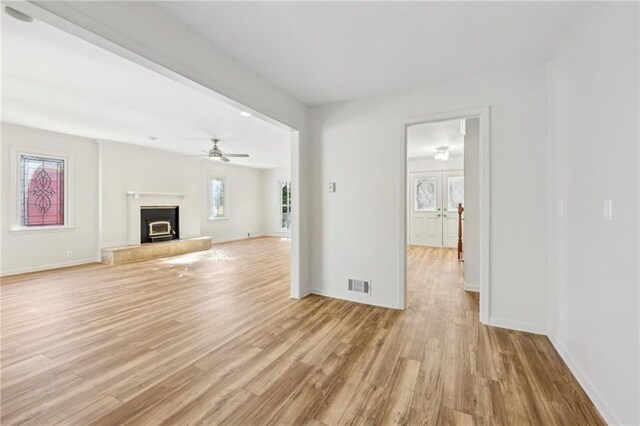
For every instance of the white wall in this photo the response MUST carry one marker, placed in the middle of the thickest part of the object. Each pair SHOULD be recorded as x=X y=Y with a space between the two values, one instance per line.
x=593 y=142
x=128 y=167
x=356 y=144
x=132 y=168
x=271 y=200
x=471 y=236
x=24 y=251
x=245 y=202
x=430 y=164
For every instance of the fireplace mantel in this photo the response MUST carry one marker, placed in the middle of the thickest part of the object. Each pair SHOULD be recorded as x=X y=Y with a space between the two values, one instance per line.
x=137 y=199
x=136 y=194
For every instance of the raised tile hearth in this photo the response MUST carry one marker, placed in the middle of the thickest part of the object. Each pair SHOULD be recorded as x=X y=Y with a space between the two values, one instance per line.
x=135 y=253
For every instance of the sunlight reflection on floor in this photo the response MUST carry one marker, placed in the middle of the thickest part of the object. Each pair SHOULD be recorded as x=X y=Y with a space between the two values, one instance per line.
x=187 y=259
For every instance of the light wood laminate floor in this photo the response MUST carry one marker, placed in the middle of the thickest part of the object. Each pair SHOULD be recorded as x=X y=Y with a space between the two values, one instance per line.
x=214 y=338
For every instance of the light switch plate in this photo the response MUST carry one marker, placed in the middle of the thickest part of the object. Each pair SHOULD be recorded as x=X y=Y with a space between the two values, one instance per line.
x=606 y=211
x=560 y=207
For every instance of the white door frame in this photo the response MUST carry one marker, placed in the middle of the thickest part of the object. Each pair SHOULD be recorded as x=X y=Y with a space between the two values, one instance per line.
x=484 y=114
x=92 y=32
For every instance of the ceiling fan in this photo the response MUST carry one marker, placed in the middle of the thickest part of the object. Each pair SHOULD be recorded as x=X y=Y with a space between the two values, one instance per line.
x=216 y=153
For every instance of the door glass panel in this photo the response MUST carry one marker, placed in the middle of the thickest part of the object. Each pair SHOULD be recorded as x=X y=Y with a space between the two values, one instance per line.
x=425 y=194
x=455 y=192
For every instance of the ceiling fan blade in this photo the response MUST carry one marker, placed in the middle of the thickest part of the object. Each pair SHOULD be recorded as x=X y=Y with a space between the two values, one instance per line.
x=236 y=155
x=202 y=155
x=225 y=159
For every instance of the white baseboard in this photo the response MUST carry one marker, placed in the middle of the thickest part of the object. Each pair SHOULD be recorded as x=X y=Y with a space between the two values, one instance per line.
x=364 y=300
x=603 y=408
x=306 y=293
x=471 y=287
x=238 y=238
x=277 y=234
x=519 y=326
x=47 y=267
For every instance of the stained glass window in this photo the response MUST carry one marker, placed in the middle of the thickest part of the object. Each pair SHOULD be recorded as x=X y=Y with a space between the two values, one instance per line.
x=425 y=199
x=285 y=205
x=455 y=192
x=41 y=191
x=218 y=198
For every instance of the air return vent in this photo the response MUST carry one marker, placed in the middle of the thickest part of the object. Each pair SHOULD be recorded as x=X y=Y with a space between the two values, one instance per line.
x=360 y=286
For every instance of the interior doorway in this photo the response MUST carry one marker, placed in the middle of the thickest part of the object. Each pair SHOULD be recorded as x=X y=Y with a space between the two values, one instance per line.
x=242 y=109
x=445 y=183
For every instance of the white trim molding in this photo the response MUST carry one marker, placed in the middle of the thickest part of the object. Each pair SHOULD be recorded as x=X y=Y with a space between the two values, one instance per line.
x=603 y=408
x=227 y=203
x=471 y=287
x=48 y=267
x=14 y=192
x=484 y=115
x=136 y=200
x=279 y=213
x=516 y=325
x=351 y=298
x=137 y=195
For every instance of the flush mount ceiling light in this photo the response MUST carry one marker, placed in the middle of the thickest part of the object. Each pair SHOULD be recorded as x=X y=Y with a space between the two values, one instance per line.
x=245 y=114
x=442 y=153
x=16 y=14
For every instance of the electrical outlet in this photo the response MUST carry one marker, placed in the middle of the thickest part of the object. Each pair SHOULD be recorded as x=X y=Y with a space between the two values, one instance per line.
x=332 y=187
x=248 y=234
x=70 y=254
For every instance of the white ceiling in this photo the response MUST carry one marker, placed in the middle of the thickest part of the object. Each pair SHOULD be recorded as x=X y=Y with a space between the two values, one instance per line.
x=423 y=139
x=54 y=81
x=329 y=51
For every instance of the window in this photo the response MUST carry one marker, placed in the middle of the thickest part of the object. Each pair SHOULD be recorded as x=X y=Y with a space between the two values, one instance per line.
x=425 y=194
x=455 y=192
x=285 y=205
x=218 y=198
x=41 y=191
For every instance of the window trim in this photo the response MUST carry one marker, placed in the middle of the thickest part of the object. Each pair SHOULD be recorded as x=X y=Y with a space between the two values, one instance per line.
x=279 y=204
x=14 y=193
x=210 y=177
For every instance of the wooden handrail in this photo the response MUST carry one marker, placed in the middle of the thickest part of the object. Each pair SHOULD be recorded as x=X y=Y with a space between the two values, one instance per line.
x=460 y=210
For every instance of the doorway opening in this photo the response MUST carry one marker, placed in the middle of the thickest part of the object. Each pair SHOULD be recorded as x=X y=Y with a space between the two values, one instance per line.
x=160 y=97
x=445 y=184
x=435 y=166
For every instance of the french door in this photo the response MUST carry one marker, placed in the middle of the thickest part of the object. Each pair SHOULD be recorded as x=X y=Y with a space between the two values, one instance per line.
x=426 y=209
x=434 y=208
x=452 y=194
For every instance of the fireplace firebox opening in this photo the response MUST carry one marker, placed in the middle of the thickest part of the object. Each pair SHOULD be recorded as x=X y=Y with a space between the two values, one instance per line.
x=159 y=223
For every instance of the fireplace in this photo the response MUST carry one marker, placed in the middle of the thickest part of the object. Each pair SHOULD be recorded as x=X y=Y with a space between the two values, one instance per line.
x=159 y=223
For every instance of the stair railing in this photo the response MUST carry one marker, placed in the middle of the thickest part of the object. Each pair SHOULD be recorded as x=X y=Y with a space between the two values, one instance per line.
x=460 y=210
